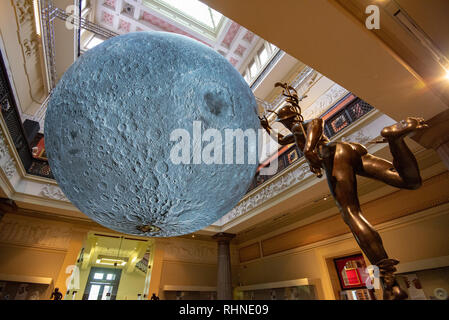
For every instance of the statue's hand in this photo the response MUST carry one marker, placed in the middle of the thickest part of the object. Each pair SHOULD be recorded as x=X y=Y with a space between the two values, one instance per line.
x=264 y=123
x=316 y=171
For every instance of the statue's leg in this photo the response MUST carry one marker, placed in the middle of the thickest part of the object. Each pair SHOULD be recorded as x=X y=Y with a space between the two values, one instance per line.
x=343 y=186
x=404 y=171
x=341 y=174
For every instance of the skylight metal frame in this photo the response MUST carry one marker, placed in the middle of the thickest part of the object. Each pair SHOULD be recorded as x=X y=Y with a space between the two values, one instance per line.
x=186 y=20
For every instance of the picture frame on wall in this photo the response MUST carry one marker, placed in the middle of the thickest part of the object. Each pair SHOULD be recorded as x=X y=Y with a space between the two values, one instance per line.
x=351 y=271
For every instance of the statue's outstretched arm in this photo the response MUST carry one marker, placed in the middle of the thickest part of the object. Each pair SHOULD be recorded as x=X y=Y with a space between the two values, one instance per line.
x=281 y=139
x=314 y=133
x=285 y=140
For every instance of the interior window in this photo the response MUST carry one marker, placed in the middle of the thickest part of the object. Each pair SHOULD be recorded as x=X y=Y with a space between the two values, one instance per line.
x=98 y=276
x=93 y=42
x=110 y=276
x=263 y=55
x=94 y=291
x=253 y=69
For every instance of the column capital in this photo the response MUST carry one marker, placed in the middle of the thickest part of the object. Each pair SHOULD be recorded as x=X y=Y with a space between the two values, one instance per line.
x=222 y=236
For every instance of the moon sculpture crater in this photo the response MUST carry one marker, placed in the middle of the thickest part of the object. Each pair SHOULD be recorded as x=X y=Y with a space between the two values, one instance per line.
x=108 y=126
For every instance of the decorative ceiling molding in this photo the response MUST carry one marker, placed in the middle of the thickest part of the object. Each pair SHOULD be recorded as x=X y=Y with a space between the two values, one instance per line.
x=360 y=136
x=249 y=36
x=324 y=102
x=273 y=188
x=188 y=250
x=233 y=61
x=107 y=18
x=240 y=50
x=231 y=40
x=27 y=188
x=110 y=3
x=29 y=42
x=33 y=234
x=196 y=251
x=166 y=26
x=230 y=35
x=7 y=162
x=24 y=10
x=53 y=192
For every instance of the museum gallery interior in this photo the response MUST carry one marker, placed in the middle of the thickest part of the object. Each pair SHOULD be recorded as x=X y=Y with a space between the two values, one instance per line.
x=132 y=196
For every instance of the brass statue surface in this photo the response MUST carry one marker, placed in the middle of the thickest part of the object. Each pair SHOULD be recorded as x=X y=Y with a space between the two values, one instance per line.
x=342 y=161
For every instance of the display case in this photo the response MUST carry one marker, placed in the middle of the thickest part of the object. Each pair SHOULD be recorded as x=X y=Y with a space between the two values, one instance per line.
x=172 y=292
x=299 y=289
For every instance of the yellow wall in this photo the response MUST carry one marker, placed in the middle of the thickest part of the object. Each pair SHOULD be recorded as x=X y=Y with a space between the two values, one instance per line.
x=409 y=239
x=84 y=275
x=38 y=248
x=131 y=284
x=18 y=260
x=44 y=248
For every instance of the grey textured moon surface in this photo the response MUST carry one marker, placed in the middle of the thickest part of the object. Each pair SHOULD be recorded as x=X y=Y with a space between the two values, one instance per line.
x=108 y=128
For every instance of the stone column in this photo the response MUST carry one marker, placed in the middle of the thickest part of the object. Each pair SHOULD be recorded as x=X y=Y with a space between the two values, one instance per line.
x=224 y=276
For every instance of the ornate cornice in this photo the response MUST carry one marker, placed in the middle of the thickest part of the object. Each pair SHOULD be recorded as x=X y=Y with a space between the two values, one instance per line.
x=275 y=186
x=192 y=251
x=326 y=101
x=30 y=233
x=360 y=137
x=24 y=11
x=188 y=250
x=53 y=192
x=29 y=41
x=7 y=162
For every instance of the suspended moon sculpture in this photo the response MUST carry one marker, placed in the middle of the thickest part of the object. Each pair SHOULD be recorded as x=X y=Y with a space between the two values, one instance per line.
x=111 y=134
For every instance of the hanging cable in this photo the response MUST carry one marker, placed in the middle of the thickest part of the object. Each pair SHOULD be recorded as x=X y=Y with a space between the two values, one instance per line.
x=118 y=252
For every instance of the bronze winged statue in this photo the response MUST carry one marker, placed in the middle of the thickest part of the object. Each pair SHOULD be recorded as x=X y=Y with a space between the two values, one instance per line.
x=342 y=162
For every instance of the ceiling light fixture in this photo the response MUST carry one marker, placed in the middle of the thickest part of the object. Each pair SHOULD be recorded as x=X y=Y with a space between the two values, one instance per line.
x=415 y=30
x=37 y=19
x=111 y=262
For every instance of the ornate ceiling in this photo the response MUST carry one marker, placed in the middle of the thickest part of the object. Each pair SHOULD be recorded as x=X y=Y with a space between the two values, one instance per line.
x=230 y=39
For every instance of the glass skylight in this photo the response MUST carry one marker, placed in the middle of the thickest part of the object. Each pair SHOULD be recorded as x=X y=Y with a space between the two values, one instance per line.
x=93 y=42
x=197 y=11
